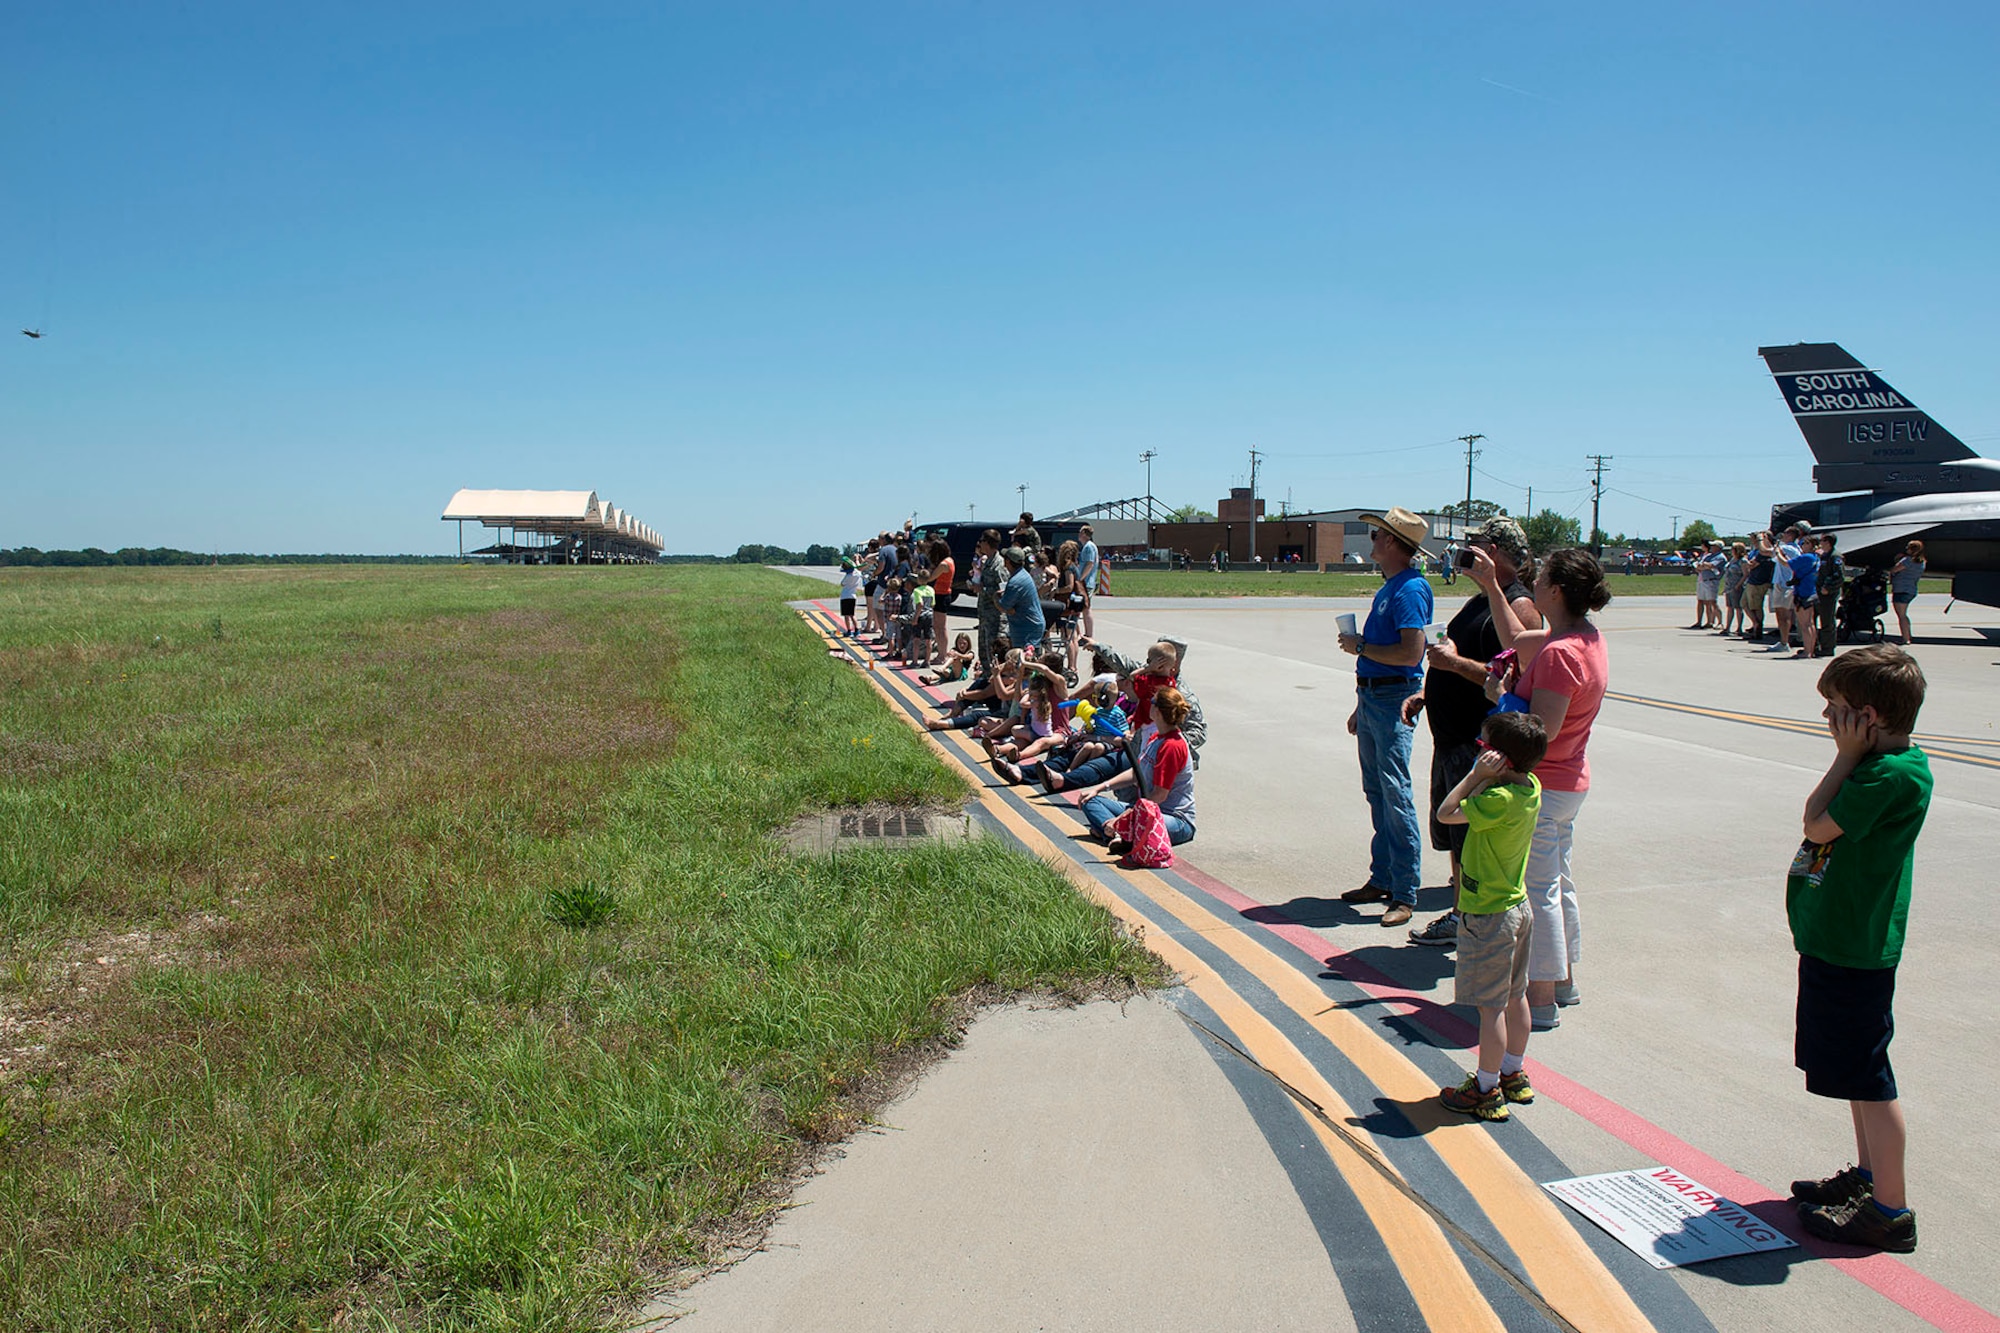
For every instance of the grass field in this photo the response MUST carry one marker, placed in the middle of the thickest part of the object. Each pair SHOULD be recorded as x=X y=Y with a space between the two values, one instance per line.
x=1243 y=583
x=392 y=947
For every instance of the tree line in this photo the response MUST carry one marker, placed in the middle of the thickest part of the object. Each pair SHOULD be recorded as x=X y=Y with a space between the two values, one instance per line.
x=94 y=556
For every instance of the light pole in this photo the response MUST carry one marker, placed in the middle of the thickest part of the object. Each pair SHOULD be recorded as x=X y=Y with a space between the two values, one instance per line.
x=970 y=510
x=1022 y=491
x=1147 y=458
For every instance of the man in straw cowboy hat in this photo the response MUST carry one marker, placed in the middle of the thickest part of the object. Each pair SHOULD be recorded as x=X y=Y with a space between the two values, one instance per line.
x=1388 y=669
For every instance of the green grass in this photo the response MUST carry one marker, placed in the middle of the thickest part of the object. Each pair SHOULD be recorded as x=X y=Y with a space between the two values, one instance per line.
x=1242 y=583
x=406 y=947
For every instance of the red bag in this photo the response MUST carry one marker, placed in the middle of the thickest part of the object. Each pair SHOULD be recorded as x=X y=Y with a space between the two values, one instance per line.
x=1142 y=827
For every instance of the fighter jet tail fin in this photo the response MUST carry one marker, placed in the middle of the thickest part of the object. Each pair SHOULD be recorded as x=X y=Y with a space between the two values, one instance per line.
x=1865 y=434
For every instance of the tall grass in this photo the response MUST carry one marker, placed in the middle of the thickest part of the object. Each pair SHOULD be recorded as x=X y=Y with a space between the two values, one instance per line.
x=408 y=948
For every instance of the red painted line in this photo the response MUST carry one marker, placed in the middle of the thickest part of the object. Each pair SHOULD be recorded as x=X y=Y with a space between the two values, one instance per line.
x=1930 y=1301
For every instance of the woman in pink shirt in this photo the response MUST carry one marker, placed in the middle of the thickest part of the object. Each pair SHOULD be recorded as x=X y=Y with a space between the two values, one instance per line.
x=1564 y=672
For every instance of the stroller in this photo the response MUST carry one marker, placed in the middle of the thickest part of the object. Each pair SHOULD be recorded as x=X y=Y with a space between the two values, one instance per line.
x=1862 y=603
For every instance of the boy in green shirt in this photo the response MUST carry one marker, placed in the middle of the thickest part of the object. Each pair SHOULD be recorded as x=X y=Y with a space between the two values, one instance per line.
x=1498 y=801
x=1848 y=898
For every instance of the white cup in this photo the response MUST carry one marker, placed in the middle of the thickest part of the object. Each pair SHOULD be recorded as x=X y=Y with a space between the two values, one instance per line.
x=1346 y=619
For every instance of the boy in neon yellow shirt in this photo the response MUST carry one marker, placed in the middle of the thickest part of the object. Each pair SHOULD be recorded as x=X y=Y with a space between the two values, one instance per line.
x=1498 y=801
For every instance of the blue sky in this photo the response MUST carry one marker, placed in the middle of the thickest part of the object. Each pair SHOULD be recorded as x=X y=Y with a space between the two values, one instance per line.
x=789 y=274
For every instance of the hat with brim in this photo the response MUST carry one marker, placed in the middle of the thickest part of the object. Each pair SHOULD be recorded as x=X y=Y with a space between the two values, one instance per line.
x=1403 y=525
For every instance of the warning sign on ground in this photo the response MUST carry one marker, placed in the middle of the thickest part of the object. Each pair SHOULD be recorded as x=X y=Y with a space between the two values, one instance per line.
x=1667 y=1219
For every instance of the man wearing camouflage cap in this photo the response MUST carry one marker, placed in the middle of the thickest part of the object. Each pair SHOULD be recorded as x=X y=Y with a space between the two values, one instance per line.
x=1454 y=692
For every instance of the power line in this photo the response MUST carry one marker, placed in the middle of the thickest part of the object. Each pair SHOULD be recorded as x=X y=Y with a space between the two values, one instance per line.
x=1683 y=509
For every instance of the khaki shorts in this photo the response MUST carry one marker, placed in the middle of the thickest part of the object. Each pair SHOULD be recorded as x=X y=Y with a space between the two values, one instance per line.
x=1493 y=957
x=1781 y=598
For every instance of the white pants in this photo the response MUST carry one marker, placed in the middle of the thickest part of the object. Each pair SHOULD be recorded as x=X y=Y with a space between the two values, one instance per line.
x=1557 y=942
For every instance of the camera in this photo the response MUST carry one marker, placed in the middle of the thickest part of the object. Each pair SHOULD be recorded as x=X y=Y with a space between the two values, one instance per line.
x=1465 y=558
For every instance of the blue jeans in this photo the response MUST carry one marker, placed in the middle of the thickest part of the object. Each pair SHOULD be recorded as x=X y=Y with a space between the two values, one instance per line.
x=1101 y=810
x=1395 y=855
x=1090 y=773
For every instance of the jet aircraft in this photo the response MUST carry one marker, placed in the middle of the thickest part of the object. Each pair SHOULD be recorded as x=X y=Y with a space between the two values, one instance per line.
x=31 y=333
x=1911 y=476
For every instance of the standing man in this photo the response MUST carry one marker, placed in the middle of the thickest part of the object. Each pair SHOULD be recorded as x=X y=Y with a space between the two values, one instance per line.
x=1832 y=578
x=1388 y=669
x=989 y=578
x=1781 y=554
x=1087 y=568
x=1022 y=601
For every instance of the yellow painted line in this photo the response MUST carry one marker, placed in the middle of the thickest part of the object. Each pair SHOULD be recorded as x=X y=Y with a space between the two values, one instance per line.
x=1566 y=1272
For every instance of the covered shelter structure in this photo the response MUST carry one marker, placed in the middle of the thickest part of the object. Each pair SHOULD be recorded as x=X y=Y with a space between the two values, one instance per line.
x=553 y=528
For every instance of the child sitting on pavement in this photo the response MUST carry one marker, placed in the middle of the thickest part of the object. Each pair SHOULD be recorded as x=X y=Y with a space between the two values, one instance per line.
x=1498 y=801
x=1848 y=899
x=956 y=663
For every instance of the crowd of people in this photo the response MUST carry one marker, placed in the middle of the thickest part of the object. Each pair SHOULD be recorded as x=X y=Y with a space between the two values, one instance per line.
x=1511 y=688
x=1815 y=599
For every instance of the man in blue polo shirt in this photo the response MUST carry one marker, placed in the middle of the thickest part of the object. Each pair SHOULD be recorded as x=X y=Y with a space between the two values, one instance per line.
x=1021 y=600
x=1389 y=668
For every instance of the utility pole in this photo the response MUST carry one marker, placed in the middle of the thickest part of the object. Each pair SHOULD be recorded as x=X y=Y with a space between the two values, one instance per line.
x=1147 y=458
x=1674 y=532
x=1531 y=503
x=1255 y=458
x=1470 y=454
x=1596 y=495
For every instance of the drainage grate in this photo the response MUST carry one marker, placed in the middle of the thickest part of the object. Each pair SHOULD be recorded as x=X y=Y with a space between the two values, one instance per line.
x=876 y=826
x=885 y=826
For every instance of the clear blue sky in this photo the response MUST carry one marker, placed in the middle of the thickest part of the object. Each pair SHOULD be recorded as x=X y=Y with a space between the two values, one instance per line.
x=787 y=274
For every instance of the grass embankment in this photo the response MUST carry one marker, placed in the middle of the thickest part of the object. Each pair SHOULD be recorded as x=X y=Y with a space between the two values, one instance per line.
x=294 y=1032
x=1242 y=583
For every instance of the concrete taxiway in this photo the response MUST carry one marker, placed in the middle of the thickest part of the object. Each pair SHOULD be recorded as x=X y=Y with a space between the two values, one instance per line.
x=1680 y=1053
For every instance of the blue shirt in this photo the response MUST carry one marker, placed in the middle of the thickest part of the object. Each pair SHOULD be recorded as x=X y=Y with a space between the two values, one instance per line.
x=1404 y=603
x=1805 y=576
x=1022 y=601
x=1086 y=565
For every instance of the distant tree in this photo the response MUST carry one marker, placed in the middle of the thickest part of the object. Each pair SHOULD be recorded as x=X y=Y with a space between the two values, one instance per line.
x=1190 y=514
x=1480 y=511
x=1697 y=533
x=753 y=553
x=1549 y=531
x=819 y=553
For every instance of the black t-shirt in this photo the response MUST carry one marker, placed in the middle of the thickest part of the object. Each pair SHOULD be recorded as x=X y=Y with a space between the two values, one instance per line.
x=1456 y=705
x=1760 y=570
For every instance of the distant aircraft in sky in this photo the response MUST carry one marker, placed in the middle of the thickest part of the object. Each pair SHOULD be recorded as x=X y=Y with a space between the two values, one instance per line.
x=1915 y=478
x=32 y=333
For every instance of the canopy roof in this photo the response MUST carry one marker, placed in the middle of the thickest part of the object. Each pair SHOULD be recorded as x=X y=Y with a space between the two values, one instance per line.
x=553 y=513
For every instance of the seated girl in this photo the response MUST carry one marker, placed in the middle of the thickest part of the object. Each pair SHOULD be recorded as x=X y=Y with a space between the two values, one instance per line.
x=957 y=662
x=1164 y=773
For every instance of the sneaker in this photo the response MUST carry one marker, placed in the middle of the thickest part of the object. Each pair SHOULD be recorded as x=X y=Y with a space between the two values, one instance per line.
x=1842 y=1187
x=1544 y=1018
x=1567 y=994
x=1397 y=913
x=1467 y=1099
x=1441 y=933
x=1862 y=1223
x=1516 y=1088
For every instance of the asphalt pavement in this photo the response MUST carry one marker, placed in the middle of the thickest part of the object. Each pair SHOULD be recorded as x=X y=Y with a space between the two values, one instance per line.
x=1679 y=1054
